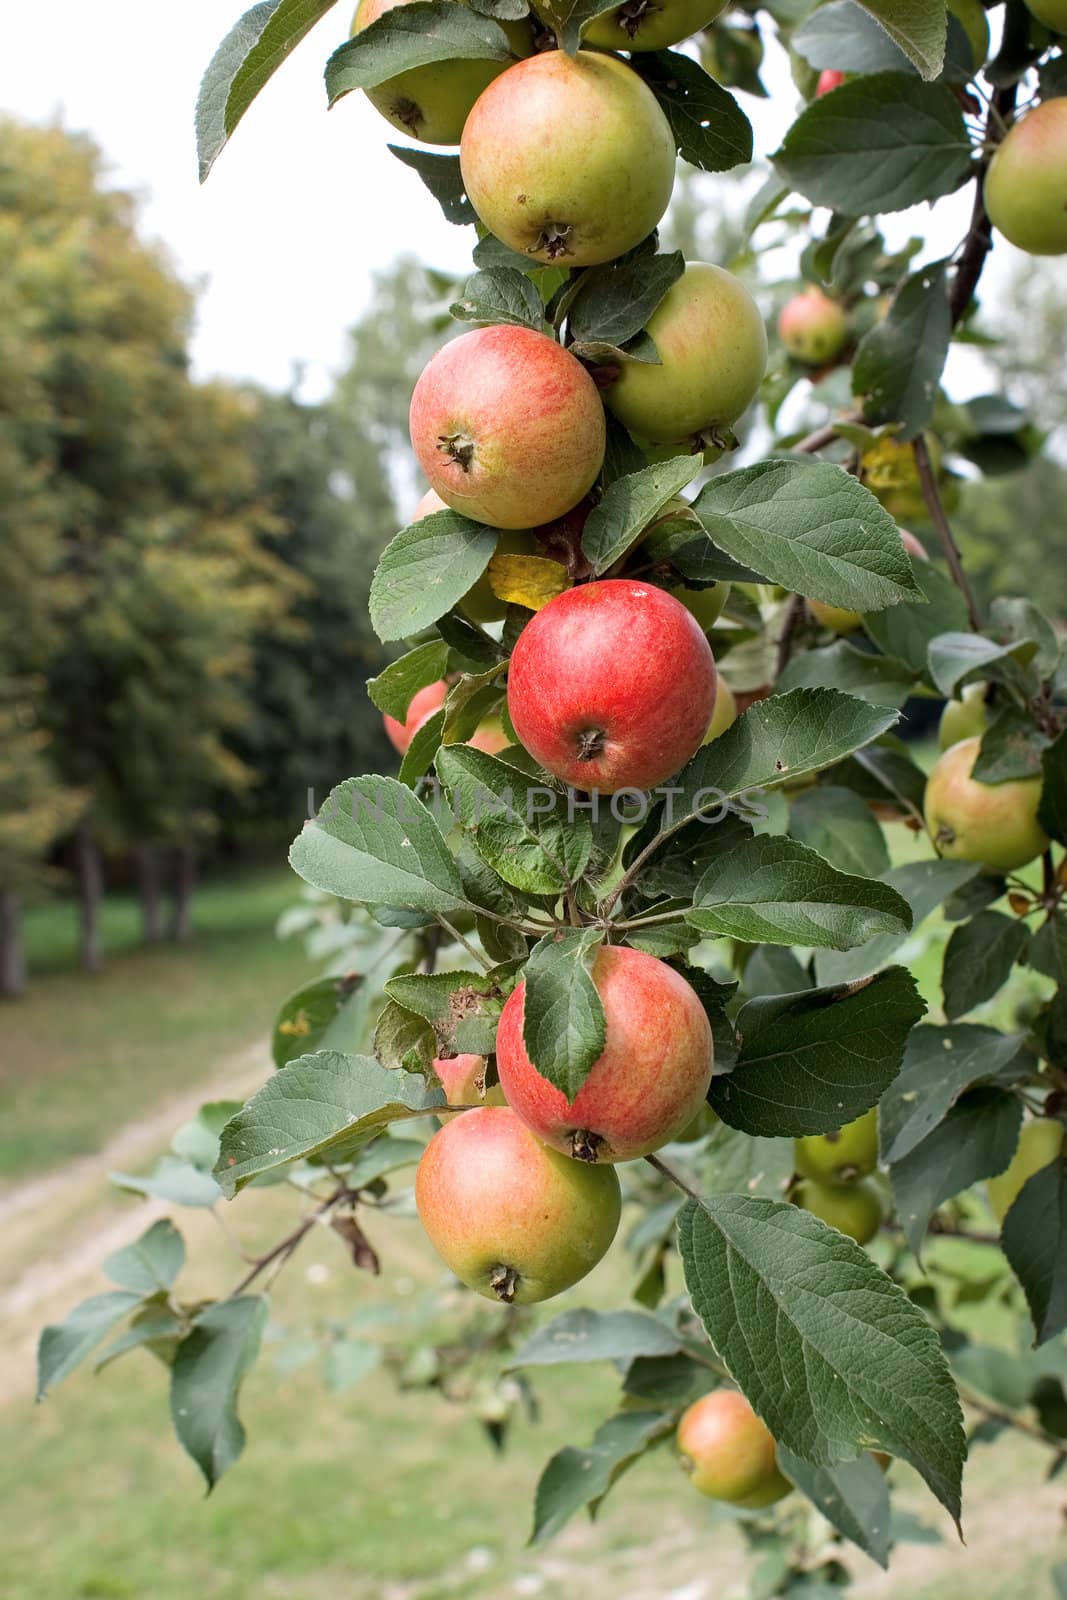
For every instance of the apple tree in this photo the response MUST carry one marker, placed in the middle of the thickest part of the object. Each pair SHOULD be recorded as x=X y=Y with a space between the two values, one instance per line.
x=632 y=932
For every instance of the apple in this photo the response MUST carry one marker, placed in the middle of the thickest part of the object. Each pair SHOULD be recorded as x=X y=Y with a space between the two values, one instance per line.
x=463 y=1080
x=725 y=714
x=432 y=103
x=813 y=328
x=992 y=823
x=729 y=1453
x=851 y=1152
x=612 y=685
x=852 y=1208
x=712 y=356
x=964 y=718
x=644 y=25
x=971 y=13
x=424 y=702
x=703 y=604
x=647 y=1085
x=829 y=78
x=913 y=545
x=1053 y=13
x=1041 y=1141
x=568 y=159
x=508 y=426
x=491 y=737
x=1026 y=185
x=836 y=618
x=512 y=1219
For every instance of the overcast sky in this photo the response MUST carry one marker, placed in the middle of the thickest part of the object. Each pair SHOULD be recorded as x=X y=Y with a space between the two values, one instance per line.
x=303 y=205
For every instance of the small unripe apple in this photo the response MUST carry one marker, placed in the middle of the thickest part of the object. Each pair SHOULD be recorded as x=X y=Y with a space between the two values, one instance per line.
x=463 y=1080
x=1040 y=1142
x=841 y=1157
x=852 y=1208
x=508 y=426
x=612 y=686
x=971 y=13
x=511 y=1218
x=1025 y=189
x=813 y=328
x=424 y=702
x=1053 y=13
x=432 y=103
x=712 y=349
x=729 y=1453
x=994 y=824
x=650 y=1080
x=829 y=78
x=964 y=718
x=569 y=159
x=643 y=25
x=725 y=714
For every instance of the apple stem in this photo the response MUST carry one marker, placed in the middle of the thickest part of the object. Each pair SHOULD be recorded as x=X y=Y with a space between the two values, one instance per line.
x=504 y=1281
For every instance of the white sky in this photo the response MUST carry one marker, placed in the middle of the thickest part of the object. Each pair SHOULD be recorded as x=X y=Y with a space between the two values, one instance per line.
x=303 y=205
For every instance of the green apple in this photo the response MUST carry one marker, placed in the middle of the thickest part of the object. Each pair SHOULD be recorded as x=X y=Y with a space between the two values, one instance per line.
x=851 y=1152
x=644 y=25
x=971 y=13
x=994 y=824
x=1040 y=1142
x=1053 y=13
x=964 y=718
x=852 y=1208
x=1026 y=184
x=725 y=714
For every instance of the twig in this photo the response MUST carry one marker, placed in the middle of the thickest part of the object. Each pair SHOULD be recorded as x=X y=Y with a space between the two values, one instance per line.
x=673 y=1177
x=978 y=240
x=285 y=1247
x=944 y=531
x=1009 y=1419
x=793 y=613
x=454 y=933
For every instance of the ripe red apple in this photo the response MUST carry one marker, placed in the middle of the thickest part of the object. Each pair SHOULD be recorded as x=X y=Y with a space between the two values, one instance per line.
x=991 y=823
x=712 y=356
x=640 y=25
x=964 y=718
x=1053 y=13
x=424 y=702
x=849 y=1153
x=729 y=1453
x=480 y=603
x=463 y=1080
x=852 y=1208
x=508 y=426
x=568 y=158
x=829 y=78
x=512 y=1219
x=1026 y=185
x=813 y=328
x=725 y=714
x=1041 y=1141
x=647 y=1085
x=432 y=103
x=612 y=686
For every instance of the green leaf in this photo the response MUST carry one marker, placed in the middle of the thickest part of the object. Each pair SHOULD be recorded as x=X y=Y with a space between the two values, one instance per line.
x=410 y=36
x=853 y=1496
x=980 y=955
x=899 y=363
x=323 y=1015
x=813 y=1061
x=443 y=178
x=463 y=1008
x=843 y=36
x=381 y=1157
x=500 y=294
x=956 y=657
x=320 y=1104
x=917 y=26
x=178 y=1182
x=393 y=689
x=152 y=1263
x=1013 y=620
x=941 y=1064
x=518 y=823
x=710 y=129
x=251 y=52
x=1011 y=748
x=567 y=18
x=206 y=1378
x=375 y=842
x=813 y=528
x=736 y=1163
x=421 y=753
x=427 y=567
x=575 y=1478
x=880 y=143
x=630 y=504
x=1034 y=1239
x=840 y=826
x=924 y=884
x=1052 y=812
x=64 y=1345
x=773 y=890
x=616 y=300
x=829 y=1351
x=155 y=1328
x=975 y=1139
x=880 y=680
x=563 y=1020
x=405 y=1042
x=904 y=632
x=581 y=1336
x=348 y=1362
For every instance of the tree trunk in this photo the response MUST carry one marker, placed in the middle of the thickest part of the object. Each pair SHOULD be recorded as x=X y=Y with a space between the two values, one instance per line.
x=12 y=958
x=150 y=890
x=181 y=916
x=90 y=893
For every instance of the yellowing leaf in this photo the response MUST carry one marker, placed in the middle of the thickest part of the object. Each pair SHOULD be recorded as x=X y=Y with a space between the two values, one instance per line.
x=530 y=581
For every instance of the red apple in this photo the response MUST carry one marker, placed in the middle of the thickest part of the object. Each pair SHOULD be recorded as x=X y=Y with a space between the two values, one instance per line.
x=813 y=328
x=423 y=705
x=647 y=1085
x=991 y=823
x=612 y=686
x=512 y=1219
x=463 y=1080
x=729 y=1453
x=829 y=78
x=508 y=426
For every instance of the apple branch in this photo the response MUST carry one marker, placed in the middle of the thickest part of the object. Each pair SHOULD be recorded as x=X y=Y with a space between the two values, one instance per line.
x=934 y=506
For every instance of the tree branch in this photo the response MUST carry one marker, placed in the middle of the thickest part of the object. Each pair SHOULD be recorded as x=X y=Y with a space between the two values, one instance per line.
x=940 y=521
x=285 y=1247
x=790 y=623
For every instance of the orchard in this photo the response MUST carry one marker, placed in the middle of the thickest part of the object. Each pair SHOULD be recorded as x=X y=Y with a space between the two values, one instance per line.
x=632 y=930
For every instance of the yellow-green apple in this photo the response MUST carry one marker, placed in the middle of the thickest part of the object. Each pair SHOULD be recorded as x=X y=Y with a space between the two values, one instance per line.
x=423 y=704
x=994 y=824
x=813 y=328
x=971 y=13
x=646 y=1086
x=1041 y=1141
x=479 y=603
x=568 y=159
x=725 y=714
x=1026 y=185
x=712 y=356
x=645 y=25
x=964 y=718
x=507 y=426
x=490 y=737
x=829 y=78
x=511 y=1218
x=463 y=1080
x=1053 y=13
x=852 y=1208
x=612 y=685
x=729 y=1453
x=851 y=1152
x=432 y=103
